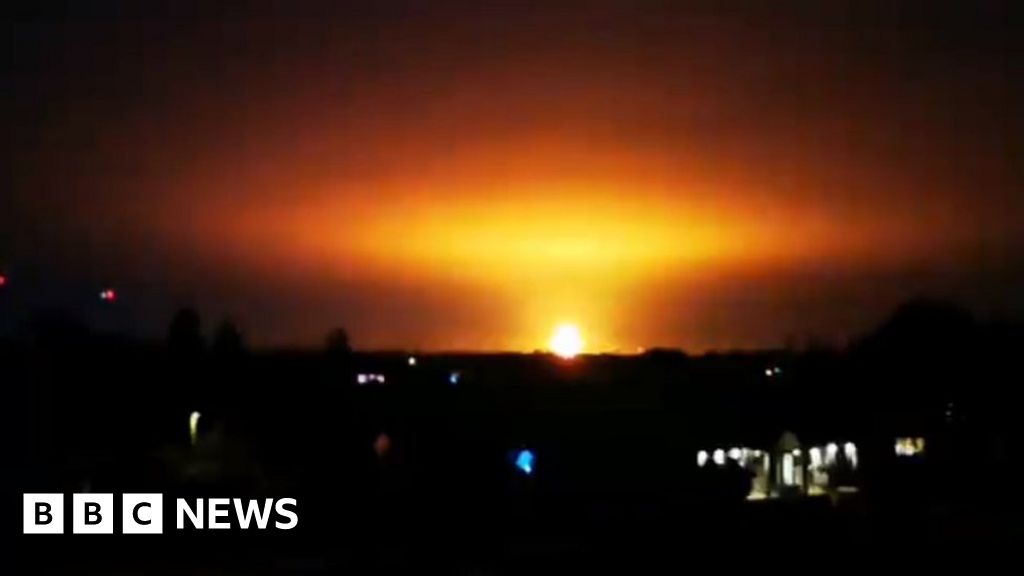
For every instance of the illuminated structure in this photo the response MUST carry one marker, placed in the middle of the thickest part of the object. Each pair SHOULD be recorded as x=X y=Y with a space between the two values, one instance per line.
x=909 y=447
x=788 y=469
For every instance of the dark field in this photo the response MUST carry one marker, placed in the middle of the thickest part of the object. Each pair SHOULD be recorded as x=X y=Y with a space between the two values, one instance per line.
x=615 y=438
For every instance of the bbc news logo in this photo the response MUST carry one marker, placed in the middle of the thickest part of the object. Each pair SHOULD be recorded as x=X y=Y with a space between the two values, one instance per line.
x=143 y=513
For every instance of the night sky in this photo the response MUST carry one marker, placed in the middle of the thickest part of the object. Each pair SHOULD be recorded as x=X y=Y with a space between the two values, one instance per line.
x=468 y=175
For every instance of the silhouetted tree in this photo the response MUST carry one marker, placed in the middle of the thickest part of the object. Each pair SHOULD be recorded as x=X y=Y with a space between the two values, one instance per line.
x=924 y=327
x=228 y=340
x=185 y=335
x=338 y=343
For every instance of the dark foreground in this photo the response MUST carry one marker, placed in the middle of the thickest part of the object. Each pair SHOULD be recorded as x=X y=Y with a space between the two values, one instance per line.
x=421 y=470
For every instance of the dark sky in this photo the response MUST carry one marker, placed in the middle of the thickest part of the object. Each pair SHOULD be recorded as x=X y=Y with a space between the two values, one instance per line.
x=468 y=175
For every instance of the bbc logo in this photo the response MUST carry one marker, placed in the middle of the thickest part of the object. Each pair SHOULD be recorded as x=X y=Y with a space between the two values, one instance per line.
x=93 y=513
x=144 y=513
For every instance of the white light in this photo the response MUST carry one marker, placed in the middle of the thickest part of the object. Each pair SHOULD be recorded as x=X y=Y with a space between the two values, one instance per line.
x=718 y=456
x=850 y=451
x=734 y=453
x=796 y=452
x=362 y=378
x=909 y=446
x=412 y=360
x=702 y=458
x=788 y=478
x=815 y=454
x=830 y=453
x=566 y=342
x=193 y=427
x=768 y=372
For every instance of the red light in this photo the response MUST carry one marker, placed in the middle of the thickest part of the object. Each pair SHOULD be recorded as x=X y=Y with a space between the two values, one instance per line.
x=108 y=295
x=3 y=280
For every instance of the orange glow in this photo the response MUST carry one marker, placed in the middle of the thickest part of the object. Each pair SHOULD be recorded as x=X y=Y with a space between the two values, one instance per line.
x=540 y=250
x=670 y=178
x=532 y=250
x=488 y=212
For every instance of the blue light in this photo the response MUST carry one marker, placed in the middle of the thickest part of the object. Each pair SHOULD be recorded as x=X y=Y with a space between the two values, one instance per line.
x=524 y=461
x=453 y=378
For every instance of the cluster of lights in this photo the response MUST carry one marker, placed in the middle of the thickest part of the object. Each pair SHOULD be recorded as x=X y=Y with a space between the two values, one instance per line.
x=773 y=371
x=107 y=295
x=363 y=379
x=371 y=378
x=909 y=446
x=818 y=457
x=719 y=455
x=523 y=459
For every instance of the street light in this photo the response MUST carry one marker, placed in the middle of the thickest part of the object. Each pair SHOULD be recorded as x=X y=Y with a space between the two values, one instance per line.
x=193 y=427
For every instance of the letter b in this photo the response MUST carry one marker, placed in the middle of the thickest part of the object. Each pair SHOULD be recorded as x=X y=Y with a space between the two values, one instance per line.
x=43 y=514
x=92 y=514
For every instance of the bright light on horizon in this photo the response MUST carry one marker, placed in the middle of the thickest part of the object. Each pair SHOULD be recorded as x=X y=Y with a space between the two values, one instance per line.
x=566 y=341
